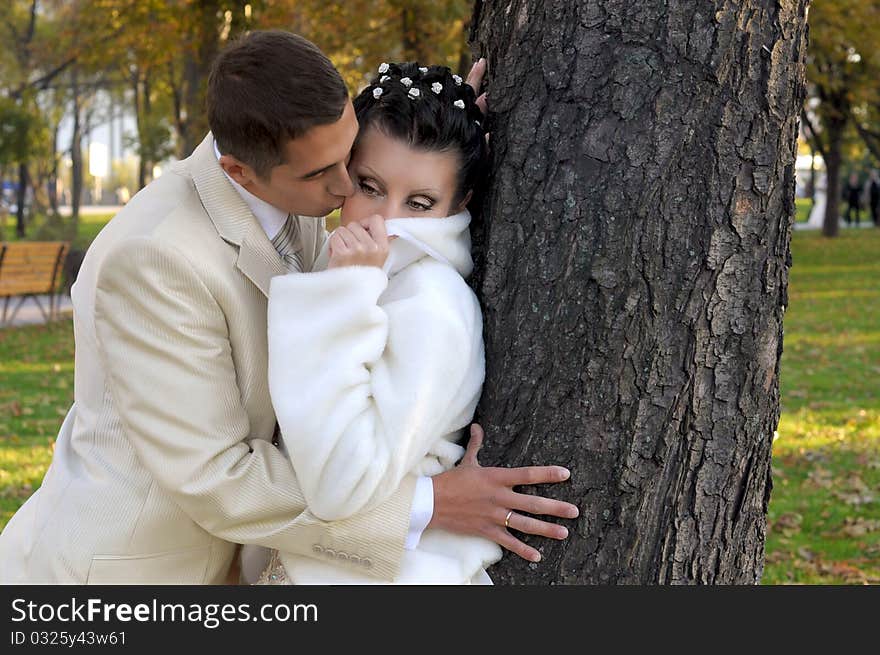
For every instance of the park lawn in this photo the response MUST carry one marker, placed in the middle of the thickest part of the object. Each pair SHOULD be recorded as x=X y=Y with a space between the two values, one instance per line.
x=802 y=209
x=36 y=389
x=824 y=518
x=87 y=229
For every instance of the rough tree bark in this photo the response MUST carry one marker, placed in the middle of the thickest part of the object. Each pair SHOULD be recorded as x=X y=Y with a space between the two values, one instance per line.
x=632 y=261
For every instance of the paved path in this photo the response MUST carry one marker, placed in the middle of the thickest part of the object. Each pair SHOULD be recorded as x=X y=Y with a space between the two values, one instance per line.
x=30 y=314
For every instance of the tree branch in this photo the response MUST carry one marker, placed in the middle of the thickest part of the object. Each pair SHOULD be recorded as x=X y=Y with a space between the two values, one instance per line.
x=32 y=22
x=871 y=139
x=814 y=135
x=41 y=83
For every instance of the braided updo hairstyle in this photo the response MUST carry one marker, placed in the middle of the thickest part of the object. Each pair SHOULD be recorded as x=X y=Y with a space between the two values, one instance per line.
x=428 y=108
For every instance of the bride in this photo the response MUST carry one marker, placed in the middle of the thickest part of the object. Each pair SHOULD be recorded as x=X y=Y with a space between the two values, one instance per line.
x=397 y=364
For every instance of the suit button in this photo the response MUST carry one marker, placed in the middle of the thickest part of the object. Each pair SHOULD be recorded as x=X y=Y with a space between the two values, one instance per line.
x=317 y=549
x=367 y=563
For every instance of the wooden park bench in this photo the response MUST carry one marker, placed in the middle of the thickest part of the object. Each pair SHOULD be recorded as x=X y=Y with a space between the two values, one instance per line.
x=29 y=269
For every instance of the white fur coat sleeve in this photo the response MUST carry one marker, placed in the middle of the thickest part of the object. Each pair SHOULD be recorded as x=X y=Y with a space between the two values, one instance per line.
x=367 y=377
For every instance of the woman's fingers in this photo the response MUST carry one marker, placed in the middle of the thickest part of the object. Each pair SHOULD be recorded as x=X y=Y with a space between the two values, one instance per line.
x=375 y=226
x=362 y=237
x=344 y=239
x=475 y=77
x=483 y=104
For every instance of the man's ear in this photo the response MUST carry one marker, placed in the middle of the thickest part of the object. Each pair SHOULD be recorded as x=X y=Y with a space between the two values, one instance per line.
x=464 y=202
x=237 y=170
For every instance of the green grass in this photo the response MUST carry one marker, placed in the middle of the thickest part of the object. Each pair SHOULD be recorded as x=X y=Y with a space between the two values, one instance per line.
x=36 y=389
x=802 y=207
x=41 y=229
x=824 y=519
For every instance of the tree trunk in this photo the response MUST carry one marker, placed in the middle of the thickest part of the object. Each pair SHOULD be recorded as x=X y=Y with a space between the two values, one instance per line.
x=53 y=173
x=632 y=261
x=141 y=89
x=20 y=198
x=205 y=45
x=812 y=189
x=76 y=158
x=831 y=223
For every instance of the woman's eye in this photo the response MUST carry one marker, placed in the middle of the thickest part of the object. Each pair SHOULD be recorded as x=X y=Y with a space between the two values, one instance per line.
x=369 y=189
x=420 y=205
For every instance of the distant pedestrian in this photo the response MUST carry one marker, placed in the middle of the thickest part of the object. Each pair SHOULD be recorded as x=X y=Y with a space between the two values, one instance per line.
x=874 y=196
x=852 y=194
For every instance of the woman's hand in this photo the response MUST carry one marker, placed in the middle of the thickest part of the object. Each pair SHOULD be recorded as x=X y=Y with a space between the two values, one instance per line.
x=476 y=500
x=362 y=243
x=475 y=79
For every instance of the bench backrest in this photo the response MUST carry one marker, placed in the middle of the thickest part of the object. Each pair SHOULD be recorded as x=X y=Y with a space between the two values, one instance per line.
x=31 y=266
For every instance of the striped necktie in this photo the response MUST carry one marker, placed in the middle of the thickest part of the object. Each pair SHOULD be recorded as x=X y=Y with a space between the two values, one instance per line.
x=287 y=243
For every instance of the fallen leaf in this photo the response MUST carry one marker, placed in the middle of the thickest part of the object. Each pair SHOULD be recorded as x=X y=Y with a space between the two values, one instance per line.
x=819 y=478
x=859 y=527
x=788 y=524
x=855 y=499
x=806 y=553
x=855 y=483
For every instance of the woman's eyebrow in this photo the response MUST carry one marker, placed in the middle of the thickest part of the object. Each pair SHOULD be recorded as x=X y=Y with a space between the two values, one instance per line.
x=373 y=174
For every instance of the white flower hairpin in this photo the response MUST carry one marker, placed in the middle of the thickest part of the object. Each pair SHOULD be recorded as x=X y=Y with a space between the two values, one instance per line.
x=414 y=93
x=457 y=79
x=459 y=104
x=384 y=79
x=423 y=69
x=383 y=67
x=406 y=81
x=377 y=92
x=436 y=87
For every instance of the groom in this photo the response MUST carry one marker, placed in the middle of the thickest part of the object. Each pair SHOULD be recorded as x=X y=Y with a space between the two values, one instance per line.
x=169 y=456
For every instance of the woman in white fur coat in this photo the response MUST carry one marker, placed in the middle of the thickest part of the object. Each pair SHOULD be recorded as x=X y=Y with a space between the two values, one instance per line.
x=396 y=362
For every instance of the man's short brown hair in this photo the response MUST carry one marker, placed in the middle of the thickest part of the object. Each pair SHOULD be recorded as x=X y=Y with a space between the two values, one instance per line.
x=269 y=87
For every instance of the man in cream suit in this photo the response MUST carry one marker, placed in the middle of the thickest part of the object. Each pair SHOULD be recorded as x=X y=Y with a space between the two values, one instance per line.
x=169 y=456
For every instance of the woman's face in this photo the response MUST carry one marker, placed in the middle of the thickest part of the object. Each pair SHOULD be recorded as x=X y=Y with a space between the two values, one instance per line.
x=395 y=180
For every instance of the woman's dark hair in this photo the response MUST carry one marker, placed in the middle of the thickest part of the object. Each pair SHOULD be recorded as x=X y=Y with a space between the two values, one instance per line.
x=269 y=87
x=431 y=109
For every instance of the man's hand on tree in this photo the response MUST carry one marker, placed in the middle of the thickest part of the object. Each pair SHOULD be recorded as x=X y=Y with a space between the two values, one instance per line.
x=477 y=500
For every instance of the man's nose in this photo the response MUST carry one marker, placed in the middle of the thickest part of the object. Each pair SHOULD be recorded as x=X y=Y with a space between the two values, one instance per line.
x=341 y=184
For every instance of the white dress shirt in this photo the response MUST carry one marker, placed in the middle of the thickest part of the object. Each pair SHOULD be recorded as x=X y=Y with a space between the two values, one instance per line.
x=271 y=219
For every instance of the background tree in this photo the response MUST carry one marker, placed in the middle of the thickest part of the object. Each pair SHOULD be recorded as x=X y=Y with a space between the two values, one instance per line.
x=28 y=65
x=843 y=66
x=632 y=264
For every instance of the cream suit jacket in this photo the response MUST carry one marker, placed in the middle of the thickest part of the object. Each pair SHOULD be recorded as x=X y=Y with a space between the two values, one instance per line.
x=165 y=461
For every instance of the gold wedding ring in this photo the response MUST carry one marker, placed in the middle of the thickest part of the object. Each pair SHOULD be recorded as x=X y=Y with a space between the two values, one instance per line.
x=507 y=519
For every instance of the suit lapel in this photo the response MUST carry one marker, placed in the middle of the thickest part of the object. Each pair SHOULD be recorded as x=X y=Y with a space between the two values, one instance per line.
x=257 y=258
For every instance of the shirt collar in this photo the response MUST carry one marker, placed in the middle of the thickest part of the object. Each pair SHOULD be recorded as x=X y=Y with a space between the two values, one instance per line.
x=271 y=218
